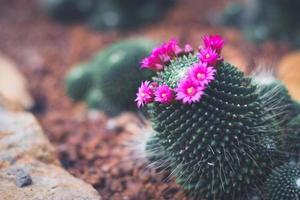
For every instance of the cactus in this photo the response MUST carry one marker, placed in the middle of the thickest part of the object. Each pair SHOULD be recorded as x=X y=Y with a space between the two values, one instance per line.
x=284 y=182
x=118 y=14
x=68 y=11
x=252 y=194
x=266 y=19
x=79 y=82
x=280 y=105
x=104 y=82
x=107 y=14
x=292 y=137
x=216 y=134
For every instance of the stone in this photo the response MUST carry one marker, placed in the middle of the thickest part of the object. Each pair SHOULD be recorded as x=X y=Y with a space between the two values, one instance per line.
x=13 y=85
x=289 y=73
x=29 y=168
x=22 y=178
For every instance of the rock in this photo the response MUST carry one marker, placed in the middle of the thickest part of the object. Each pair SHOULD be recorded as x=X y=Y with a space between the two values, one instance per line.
x=49 y=182
x=22 y=178
x=289 y=73
x=13 y=85
x=28 y=159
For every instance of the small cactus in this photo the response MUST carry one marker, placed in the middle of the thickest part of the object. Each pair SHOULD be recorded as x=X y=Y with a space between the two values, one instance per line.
x=266 y=19
x=79 y=82
x=107 y=14
x=68 y=11
x=210 y=122
x=104 y=82
x=122 y=14
x=284 y=182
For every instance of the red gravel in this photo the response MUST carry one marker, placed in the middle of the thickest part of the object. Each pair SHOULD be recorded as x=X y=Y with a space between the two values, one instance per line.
x=45 y=51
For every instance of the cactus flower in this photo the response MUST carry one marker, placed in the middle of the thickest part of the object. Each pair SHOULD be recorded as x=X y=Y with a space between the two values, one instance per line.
x=188 y=48
x=202 y=73
x=215 y=42
x=164 y=94
x=145 y=94
x=208 y=55
x=189 y=91
x=161 y=55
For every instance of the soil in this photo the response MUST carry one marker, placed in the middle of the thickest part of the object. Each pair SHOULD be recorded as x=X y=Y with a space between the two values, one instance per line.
x=45 y=50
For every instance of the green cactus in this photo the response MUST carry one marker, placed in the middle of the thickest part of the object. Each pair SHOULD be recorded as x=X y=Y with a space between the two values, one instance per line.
x=266 y=19
x=284 y=182
x=79 y=81
x=107 y=14
x=252 y=194
x=126 y=13
x=67 y=11
x=277 y=98
x=292 y=137
x=217 y=146
x=109 y=80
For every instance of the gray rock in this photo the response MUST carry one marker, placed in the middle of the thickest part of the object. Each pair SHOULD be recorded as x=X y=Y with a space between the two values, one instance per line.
x=23 y=178
x=28 y=159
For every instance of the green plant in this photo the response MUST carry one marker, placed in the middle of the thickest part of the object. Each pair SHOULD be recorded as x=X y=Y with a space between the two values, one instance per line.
x=292 y=137
x=104 y=82
x=284 y=182
x=67 y=11
x=252 y=194
x=211 y=124
x=278 y=101
x=107 y=14
x=127 y=13
x=264 y=19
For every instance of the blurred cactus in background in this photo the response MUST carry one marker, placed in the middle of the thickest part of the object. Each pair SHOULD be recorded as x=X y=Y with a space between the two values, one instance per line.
x=107 y=14
x=109 y=80
x=266 y=19
x=212 y=127
x=284 y=182
x=67 y=11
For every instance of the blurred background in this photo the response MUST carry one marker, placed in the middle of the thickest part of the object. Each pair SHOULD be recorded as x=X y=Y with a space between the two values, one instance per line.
x=74 y=64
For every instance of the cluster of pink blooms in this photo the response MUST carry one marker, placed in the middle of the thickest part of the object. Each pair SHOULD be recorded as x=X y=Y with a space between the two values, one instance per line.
x=163 y=54
x=191 y=88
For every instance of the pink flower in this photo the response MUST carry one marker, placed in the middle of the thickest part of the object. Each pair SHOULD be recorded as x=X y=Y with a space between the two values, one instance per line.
x=164 y=94
x=189 y=91
x=161 y=55
x=188 y=48
x=215 y=42
x=145 y=94
x=172 y=48
x=152 y=62
x=202 y=74
x=208 y=55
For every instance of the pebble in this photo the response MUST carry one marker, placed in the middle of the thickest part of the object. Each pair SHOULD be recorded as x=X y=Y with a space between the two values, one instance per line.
x=23 y=178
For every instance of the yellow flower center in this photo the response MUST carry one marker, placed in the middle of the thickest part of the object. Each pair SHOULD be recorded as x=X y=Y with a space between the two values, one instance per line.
x=200 y=75
x=207 y=55
x=163 y=95
x=191 y=90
